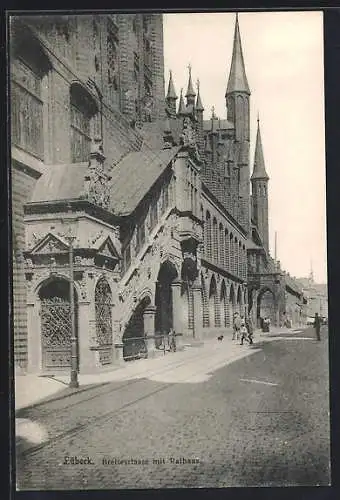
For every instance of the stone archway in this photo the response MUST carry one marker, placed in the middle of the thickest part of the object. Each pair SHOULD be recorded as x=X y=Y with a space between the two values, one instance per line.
x=225 y=321
x=213 y=303
x=134 y=346
x=103 y=315
x=205 y=304
x=266 y=306
x=55 y=324
x=164 y=320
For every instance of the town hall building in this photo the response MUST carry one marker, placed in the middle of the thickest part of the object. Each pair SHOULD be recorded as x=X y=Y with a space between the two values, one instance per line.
x=160 y=209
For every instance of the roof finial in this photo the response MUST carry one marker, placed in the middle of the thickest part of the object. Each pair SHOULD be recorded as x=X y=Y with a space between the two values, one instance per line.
x=199 y=105
x=258 y=117
x=171 y=89
x=181 y=107
x=190 y=92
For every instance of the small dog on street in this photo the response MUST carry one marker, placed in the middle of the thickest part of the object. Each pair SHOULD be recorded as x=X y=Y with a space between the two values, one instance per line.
x=220 y=338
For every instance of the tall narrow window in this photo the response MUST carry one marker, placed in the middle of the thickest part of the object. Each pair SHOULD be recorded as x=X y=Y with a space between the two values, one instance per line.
x=127 y=257
x=136 y=68
x=165 y=197
x=215 y=241
x=80 y=133
x=208 y=236
x=226 y=250
x=153 y=213
x=113 y=65
x=222 y=246
x=140 y=235
x=29 y=68
x=83 y=109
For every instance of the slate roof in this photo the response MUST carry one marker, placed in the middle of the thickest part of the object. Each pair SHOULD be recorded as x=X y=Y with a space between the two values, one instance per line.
x=60 y=182
x=292 y=284
x=135 y=175
x=131 y=179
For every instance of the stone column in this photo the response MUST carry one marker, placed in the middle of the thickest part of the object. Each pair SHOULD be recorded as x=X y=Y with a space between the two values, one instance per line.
x=177 y=310
x=149 y=329
x=198 y=313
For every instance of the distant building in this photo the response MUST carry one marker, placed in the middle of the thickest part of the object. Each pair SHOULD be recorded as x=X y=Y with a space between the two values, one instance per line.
x=154 y=198
x=316 y=294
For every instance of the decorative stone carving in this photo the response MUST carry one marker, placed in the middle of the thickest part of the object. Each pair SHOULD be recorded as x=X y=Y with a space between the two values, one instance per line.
x=97 y=186
x=187 y=137
x=147 y=108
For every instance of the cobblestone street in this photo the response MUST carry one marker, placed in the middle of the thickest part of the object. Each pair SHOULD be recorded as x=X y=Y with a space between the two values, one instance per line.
x=260 y=420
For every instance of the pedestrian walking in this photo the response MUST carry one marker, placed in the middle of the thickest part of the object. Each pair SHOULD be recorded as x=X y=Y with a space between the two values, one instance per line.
x=250 y=328
x=236 y=326
x=317 y=326
x=172 y=340
x=243 y=330
x=266 y=325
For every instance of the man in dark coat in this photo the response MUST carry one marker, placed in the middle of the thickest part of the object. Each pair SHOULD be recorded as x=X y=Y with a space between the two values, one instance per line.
x=250 y=328
x=317 y=326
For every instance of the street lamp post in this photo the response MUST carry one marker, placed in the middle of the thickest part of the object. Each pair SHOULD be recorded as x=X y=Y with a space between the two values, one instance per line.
x=74 y=355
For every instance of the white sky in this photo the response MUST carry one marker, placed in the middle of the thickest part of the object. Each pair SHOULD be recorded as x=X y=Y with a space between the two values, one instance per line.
x=283 y=53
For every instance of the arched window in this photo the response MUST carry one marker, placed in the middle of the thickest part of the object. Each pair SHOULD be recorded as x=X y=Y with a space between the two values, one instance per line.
x=244 y=262
x=240 y=260
x=83 y=109
x=231 y=246
x=236 y=252
x=140 y=235
x=29 y=92
x=208 y=236
x=222 y=246
x=215 y=241
x=153 y=212
x=227 y=250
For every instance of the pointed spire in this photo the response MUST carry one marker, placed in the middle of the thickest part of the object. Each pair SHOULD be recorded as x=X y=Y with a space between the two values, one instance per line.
x=259 y=171
x=237 y=76
x=311 y=274
x=199 y=105
x=190 y=92
x=181 y=107
x=171 y=89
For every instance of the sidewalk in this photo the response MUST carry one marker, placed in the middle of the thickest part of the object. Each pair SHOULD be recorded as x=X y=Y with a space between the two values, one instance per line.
x=33 y=389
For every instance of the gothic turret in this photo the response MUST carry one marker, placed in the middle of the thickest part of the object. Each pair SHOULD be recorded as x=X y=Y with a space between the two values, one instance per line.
x=190 y=95
x=181 y=107
x=171 y=97
x=199 y=114
x=259 y=171
x=238 y=92
x=259 y=181
x=237 y=100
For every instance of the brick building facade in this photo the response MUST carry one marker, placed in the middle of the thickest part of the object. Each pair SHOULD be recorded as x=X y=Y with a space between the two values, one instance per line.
x=154 y=199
